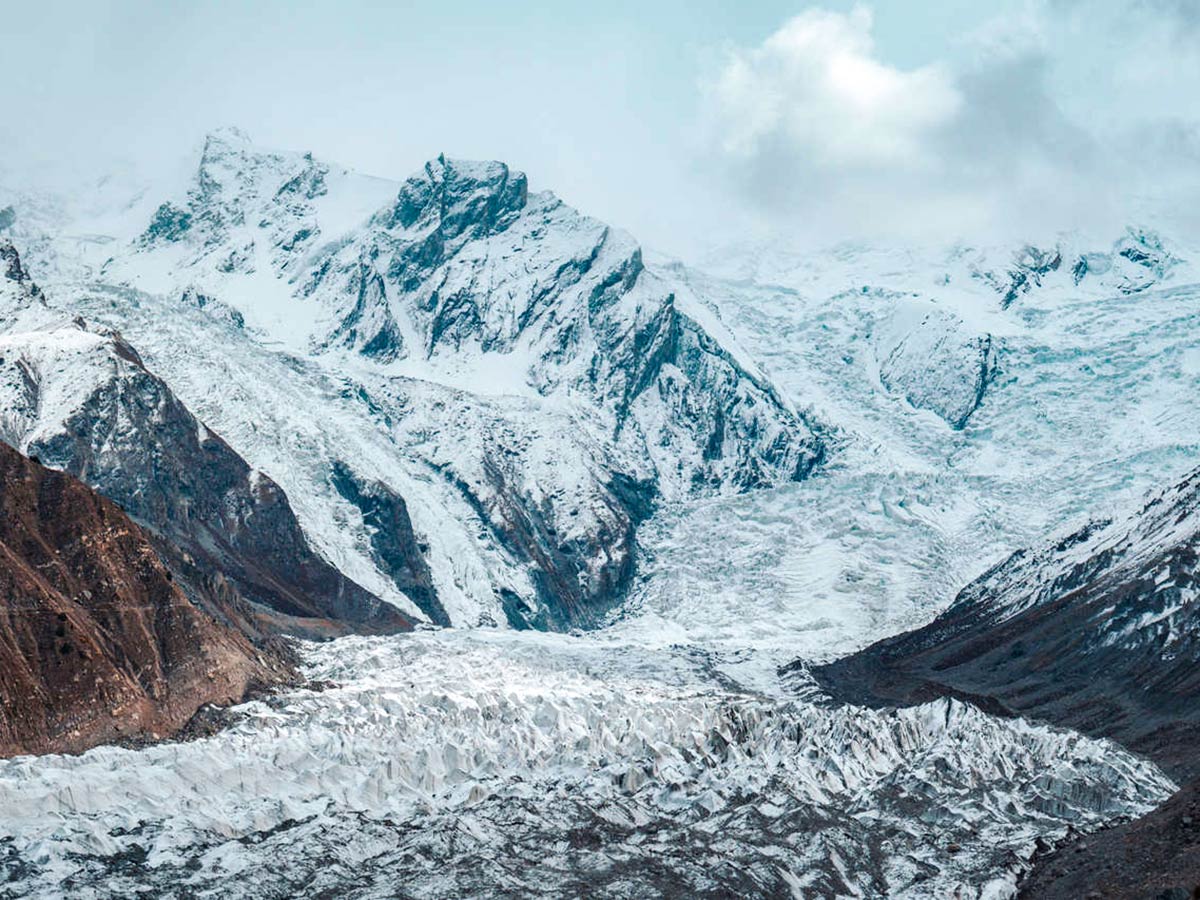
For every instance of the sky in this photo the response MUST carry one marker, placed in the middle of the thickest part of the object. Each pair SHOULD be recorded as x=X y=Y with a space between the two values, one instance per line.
x=691 y=124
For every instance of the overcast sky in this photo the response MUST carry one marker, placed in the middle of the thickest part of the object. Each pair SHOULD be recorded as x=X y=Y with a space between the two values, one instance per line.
x=686 y=122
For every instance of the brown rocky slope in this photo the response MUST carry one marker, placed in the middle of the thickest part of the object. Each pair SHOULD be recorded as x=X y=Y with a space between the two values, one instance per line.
x=97 y=641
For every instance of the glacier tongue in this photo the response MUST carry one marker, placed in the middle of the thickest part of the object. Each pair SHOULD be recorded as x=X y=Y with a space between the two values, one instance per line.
x=459 y=763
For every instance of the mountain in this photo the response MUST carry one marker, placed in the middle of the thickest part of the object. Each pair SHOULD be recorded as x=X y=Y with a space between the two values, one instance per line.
x=82 y=401
x=97 y=642
x=486 y=409
x=1098 y=631
x=466 y=278
x=480 y=365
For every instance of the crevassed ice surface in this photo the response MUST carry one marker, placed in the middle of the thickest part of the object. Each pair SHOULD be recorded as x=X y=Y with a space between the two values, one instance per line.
x=1091 y=407
x=476 y=763
x=664 y=755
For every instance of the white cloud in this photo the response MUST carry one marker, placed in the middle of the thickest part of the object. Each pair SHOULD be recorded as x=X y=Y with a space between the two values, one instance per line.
x=1051 y=117
x=817 y=85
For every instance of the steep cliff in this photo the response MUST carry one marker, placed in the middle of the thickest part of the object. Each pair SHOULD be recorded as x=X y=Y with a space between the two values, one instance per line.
x=97 y=642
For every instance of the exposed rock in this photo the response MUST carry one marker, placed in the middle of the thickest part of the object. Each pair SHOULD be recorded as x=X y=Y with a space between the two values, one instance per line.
x=16 y=274
x=1099 y=632
x=97 y=643
x=394 y=544
x=1029 y=266
x=126 y=434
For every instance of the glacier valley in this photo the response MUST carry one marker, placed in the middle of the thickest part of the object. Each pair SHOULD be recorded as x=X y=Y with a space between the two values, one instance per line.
x=647 y=496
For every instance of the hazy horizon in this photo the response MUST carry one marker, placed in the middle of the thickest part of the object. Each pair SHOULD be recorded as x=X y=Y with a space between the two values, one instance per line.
x=688 y=125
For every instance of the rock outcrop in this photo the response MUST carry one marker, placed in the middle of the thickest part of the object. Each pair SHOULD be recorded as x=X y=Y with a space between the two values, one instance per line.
x=1099 y=631
x=97 y=641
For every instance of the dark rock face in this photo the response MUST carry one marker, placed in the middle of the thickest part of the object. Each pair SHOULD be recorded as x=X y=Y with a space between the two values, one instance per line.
x=576 y=580
x=1099 y=632
x=1027 y=270
x=97 y=642
x=1156 y=857
x=394 y=544
x=170 y=223
x=133 y=441
x=12 y=270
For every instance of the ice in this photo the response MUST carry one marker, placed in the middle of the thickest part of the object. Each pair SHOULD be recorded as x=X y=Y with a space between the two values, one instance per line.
x=458 y=762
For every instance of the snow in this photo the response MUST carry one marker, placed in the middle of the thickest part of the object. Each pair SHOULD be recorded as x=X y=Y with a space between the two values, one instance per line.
x=479 y=753
x=497 y=748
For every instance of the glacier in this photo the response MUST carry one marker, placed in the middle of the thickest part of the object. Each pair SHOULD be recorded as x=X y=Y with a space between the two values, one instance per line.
x=663 y=743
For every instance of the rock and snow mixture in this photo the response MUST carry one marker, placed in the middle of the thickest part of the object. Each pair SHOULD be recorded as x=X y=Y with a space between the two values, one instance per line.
x=768 y=459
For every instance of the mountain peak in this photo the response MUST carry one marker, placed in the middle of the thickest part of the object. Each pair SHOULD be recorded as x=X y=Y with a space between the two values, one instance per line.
x=229 y=135
x=12 y=269
x=460 y=195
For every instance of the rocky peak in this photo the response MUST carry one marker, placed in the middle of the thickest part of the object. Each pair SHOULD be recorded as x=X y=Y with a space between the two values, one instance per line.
x=1140 y=259
x=15 y=272
x=242 y=202
x=459 y=198
x=466 y=271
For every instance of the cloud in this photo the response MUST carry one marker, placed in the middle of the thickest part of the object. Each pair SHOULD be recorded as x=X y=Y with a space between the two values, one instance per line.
x=817 y=85
x=1051 y=117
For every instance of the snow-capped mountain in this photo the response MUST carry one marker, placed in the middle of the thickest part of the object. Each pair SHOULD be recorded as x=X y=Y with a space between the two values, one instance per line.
x=467 y=279
x=1099 y=630
x=487 y=409
x=527 y=389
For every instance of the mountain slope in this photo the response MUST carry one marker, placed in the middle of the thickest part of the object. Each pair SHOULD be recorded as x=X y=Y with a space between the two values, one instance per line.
x=486 y=361
x=82 y=401
x=1099 y=631
x=96 y=641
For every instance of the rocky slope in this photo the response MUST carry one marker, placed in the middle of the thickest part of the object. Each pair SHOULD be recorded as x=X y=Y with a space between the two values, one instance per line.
x=82 y=401
x=97 y=642
x=484 y=361
x=1099 y=631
